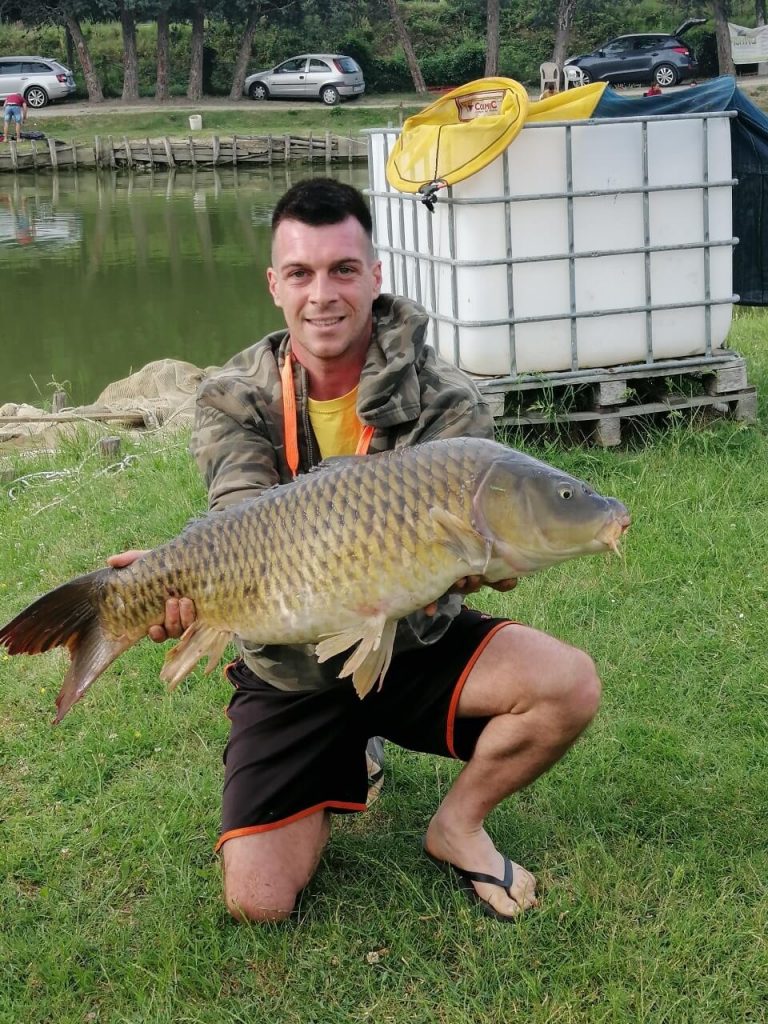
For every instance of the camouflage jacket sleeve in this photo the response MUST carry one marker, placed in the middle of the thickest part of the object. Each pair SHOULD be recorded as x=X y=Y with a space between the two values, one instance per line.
x=235 y=452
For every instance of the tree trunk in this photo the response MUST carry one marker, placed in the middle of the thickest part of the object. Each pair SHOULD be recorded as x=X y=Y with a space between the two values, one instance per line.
x=130 y=54
x=492 y=40
x=195 y=87
x=760 y=12
x=407 y=45
x=564 y=20
x=163 y=59
x=92 y=80
x=244 y=53
x=723 y=38
x=70 y=47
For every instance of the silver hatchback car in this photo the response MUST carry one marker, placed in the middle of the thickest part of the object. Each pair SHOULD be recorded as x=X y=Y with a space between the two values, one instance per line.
x=38 y=79
x=325 y=76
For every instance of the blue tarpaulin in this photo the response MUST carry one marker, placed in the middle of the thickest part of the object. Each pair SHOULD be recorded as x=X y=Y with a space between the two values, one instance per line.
x=749 y=157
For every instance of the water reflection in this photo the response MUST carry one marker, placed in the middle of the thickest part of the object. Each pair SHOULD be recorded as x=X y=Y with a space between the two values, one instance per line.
x=110 y=271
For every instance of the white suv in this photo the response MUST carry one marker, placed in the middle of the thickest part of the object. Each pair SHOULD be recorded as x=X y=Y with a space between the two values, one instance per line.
x=38 y=79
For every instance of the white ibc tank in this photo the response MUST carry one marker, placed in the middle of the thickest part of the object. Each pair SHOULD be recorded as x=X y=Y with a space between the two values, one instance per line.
x=589 y=244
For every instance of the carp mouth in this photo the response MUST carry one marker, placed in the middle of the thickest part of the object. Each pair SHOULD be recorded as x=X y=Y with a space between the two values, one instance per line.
x=613 y=531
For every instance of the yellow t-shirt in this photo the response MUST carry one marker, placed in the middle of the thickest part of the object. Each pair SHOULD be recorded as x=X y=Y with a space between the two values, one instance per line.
x=336 y=425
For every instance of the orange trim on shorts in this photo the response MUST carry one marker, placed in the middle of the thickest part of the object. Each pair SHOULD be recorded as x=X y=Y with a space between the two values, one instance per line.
x=454 y=705
x=251 y=830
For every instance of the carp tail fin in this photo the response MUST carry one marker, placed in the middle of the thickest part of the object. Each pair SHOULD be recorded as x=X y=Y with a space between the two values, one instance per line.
x=67 y=617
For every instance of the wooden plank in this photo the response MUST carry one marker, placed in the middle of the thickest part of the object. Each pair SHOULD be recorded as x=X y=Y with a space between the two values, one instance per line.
x=216 y=147
x=727 y=378
x=98 y=417
x=168 y=151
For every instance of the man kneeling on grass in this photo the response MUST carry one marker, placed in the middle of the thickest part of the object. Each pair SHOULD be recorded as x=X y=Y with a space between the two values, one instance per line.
x=352 y=373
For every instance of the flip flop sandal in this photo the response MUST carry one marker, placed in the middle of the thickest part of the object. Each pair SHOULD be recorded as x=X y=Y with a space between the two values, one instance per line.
x=464 y=880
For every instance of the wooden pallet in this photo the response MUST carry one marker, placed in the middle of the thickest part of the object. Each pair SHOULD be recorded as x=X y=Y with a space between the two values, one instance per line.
x=597 y=403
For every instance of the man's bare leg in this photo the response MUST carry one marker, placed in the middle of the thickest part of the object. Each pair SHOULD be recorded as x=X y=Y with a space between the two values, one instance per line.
x=541 y=694
x=265 y=872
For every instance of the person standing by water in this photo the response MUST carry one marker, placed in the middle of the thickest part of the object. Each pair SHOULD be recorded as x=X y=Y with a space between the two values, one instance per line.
x=14 y=110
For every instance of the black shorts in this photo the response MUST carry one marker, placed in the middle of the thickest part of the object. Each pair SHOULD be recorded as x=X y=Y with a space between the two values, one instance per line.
x=292 y=753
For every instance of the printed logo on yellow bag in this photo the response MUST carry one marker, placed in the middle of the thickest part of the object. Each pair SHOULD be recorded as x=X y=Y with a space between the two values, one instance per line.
x=479 y=104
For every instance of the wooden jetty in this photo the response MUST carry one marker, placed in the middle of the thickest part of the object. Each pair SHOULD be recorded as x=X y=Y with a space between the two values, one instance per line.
x=167 y=153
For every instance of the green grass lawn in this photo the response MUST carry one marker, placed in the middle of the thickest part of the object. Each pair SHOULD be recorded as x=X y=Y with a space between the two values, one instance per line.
x=649 y=839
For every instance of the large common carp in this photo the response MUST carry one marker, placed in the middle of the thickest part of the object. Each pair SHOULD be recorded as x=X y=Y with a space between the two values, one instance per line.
x=334 y=559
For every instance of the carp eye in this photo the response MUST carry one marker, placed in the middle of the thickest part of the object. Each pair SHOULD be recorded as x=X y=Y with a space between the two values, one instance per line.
x=566 y=492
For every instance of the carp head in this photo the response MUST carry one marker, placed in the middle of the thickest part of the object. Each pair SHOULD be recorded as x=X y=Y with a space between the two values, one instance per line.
x=536 y=515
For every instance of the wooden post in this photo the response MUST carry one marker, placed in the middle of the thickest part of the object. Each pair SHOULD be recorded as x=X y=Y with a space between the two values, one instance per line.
x=168 y=151
x=74 y=154
x=328 y=148
x=54 y=156
x=34 y=155
x=269 y=150
x=192 y=157
x=311 y=147
x=109 y=447
x=12 y=149
x=97 y=151
x=287 y=149
x=111 y=153
x=58 y=401
x=234 y=150
x=215 y=150
x=128 y=153
x=150 y=157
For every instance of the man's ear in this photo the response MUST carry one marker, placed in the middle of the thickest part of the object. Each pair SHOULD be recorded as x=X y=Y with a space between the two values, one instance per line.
x=274 y=286
x=376 y=270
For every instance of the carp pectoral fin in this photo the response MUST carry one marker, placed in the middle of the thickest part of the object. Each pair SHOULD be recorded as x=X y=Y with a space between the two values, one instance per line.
x=197 y=641
x=374 y=639
x=460 y=538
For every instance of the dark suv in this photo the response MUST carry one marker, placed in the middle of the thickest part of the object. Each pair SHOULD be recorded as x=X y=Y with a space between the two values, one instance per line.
x=643 y=57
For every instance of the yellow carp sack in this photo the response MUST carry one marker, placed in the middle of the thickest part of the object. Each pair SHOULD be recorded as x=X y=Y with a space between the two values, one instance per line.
x=457 y=135
x=463 y=131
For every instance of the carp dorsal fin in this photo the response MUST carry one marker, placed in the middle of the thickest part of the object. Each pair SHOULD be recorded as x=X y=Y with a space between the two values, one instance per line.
x=197 y=641
x=374 y=639
x=464 y=541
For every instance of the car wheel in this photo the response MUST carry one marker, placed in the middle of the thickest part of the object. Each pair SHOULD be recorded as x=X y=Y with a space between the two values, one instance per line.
x=330 y=96
x=665 y=75
x=586 y=77
x=36 y=97
x=258 y=91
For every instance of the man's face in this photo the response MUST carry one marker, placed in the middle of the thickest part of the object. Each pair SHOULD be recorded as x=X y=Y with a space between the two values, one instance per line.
x=325 y=279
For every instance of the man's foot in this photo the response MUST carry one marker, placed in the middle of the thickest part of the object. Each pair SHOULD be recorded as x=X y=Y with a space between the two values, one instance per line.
x=507 y=888
x=374 y=755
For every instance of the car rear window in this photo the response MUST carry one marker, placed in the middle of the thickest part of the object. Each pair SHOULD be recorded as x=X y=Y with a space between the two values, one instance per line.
x=347 y=65
x=34 y=67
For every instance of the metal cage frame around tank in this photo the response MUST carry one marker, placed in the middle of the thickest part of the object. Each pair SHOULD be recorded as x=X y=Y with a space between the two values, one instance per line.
x=398 y=256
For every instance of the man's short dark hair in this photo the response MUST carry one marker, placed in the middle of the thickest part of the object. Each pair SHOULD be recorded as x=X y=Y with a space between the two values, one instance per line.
x=321 y=201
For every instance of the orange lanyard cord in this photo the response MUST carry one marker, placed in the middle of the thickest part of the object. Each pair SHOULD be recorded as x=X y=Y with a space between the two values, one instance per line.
x=291 y=437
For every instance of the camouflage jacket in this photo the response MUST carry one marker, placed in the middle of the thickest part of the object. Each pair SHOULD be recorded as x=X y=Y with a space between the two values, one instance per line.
x=406 y=393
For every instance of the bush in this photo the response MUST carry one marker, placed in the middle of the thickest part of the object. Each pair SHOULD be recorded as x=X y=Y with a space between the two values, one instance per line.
x=454 y=67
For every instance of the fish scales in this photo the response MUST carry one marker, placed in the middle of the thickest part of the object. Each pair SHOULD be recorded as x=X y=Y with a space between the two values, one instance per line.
x=333 y=559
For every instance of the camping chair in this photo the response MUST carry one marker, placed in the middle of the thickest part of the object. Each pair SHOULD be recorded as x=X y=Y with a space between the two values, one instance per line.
x=573 y=76
x=550 y=76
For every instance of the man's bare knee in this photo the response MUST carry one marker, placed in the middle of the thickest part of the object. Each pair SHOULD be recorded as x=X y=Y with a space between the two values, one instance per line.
x=247 y=903
x=581 y=691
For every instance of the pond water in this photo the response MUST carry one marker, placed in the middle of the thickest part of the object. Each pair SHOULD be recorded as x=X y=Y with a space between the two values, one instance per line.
x=101 y=274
